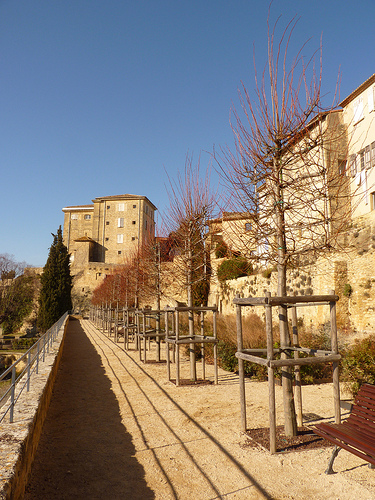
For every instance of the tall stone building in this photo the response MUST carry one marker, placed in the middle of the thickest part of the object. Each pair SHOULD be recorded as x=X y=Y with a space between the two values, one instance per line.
x=103 y=235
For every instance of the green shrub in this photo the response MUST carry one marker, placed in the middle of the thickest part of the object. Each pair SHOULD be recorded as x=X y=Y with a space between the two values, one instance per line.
x=233 y=268
x=358 y=364
x=221 y=250
x=23 y=343
x=347 y=290
x=267 y=273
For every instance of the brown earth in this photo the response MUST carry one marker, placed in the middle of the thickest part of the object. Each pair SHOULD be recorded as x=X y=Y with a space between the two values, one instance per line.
x=117 y=428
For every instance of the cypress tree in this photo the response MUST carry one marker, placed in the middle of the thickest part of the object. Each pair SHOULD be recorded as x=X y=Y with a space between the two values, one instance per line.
x=55 y=295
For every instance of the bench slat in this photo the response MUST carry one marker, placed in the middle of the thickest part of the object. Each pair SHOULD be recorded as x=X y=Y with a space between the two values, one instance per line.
x=361 y=421
x=346 y=436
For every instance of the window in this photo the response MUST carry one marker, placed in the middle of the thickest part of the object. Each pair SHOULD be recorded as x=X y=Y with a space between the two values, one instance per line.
x=108 y=207
x=358 y=110
x=74 y=216
x=146 y=209
x=372 y=200
x=342 y=167
x=134 y=206
x=118 y=252
x=107 y=239
x=120 y=207
x=362 y=159
x=87 y=216
x=373 y=154
x=133 y=238
x=133 y=221
x=107 y=223
x=120 y=238
x=352 y=165
x=146 y=224
x=247 y=226
x=120 y=222
x=367 y=157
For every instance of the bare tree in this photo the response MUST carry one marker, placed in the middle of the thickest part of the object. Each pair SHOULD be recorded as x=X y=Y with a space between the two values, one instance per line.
x=287 y=170
x=191 y=206
x=9 y=268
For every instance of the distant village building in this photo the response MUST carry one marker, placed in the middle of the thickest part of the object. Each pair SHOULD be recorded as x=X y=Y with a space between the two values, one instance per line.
x=104 y=235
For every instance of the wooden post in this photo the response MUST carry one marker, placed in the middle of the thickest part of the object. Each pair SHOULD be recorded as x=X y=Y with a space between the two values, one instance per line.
x=177 y=350
x=335 y=364
x=241 y=373
x=173 y=326
x=271 y=377
x=202 y=347
x=167 y=345
x=215 y=345
x=158 y=335
x=297 y=369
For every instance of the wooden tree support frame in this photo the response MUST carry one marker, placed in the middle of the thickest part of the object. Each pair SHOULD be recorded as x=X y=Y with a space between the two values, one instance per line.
x=120 y=321
x=149 y=328
x=174 y=340
x=316 y=356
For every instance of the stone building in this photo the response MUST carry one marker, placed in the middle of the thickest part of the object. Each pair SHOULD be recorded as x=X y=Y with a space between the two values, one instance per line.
x=104 y=235
x=350 y=268
x=359 y=117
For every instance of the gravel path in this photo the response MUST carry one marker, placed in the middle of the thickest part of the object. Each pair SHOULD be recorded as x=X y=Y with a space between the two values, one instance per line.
x=117 y=428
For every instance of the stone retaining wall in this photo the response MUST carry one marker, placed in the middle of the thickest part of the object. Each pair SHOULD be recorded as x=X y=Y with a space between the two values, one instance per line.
x=19 y=440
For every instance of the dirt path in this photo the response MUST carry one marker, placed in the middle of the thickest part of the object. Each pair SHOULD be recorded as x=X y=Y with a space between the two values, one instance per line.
x=116 y=428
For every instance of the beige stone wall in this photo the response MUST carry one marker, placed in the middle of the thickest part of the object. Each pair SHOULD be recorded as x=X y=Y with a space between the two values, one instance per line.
x=352 y=267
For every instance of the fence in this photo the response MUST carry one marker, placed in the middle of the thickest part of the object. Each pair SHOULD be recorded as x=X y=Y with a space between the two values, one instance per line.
x=22 y=380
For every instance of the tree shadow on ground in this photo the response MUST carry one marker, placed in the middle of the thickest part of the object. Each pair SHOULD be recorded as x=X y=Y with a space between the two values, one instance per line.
x=84 y=450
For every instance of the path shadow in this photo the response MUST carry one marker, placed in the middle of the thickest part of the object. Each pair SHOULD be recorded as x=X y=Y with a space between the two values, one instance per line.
x=84 y=450
x=262 y=493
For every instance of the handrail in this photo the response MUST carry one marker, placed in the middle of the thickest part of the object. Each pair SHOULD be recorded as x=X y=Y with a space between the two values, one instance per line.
x=32 y=357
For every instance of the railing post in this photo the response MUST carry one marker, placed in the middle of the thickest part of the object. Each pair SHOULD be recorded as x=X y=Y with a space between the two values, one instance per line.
x=37 y=356
x=28 y=370
x=44 y=349
x=13 y=388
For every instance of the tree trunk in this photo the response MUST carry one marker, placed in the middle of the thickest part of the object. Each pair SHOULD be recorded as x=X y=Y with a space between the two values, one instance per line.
x=290 y=420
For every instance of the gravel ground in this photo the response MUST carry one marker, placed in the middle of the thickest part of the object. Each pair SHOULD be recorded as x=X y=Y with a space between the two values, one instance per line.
x=117 y=428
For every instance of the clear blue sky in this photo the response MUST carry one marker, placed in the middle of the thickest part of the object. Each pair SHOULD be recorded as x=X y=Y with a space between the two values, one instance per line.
x=102 y=97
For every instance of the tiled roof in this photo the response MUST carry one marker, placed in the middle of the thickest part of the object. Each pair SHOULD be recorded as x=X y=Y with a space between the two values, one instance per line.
x=358 y=91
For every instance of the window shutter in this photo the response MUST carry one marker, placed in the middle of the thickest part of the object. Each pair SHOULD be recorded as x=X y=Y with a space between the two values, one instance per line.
x=367 y=157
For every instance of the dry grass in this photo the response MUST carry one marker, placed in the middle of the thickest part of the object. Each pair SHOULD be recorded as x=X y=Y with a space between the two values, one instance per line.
x=253 y=331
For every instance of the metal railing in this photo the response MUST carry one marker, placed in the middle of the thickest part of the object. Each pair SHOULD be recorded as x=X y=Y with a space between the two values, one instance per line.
x=31 y=358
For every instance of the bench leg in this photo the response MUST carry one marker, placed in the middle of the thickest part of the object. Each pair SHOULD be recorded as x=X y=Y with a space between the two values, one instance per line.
x=335 y=452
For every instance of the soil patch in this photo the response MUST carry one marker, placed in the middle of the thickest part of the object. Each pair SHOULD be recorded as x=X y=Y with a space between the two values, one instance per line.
x=305 y=440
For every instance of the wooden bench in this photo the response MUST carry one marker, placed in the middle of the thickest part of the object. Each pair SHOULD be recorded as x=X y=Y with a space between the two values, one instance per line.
x=357 y=434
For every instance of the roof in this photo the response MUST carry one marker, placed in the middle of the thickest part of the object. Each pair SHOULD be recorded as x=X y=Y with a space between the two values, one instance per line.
x=85 y=238
x=78 y=207
x=358 y=91
x=124 y=197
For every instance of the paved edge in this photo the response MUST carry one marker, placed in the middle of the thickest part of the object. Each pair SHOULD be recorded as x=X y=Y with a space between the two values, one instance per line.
x=19 y=440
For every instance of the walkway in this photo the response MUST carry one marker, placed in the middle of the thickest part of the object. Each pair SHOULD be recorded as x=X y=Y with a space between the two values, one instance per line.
x=117 y=429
